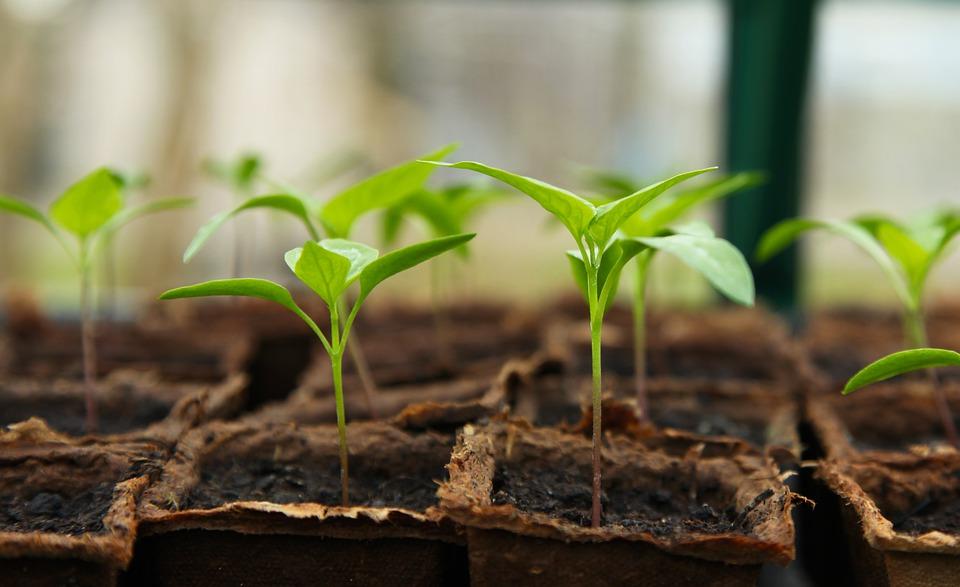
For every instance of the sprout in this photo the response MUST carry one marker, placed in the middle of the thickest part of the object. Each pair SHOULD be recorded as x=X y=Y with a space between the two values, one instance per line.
x=329 y=267
x=906 y=362
x=92 y=210
x=602 y=253
x=657 y=220
x=905 y=253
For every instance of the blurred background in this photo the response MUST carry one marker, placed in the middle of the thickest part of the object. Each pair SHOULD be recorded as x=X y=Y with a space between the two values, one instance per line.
x=870 y=92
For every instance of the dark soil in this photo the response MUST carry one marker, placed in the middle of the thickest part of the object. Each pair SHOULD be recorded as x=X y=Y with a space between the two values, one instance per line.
x=929 y=515
x=281 y=482
x=566 y=494
x=67 y=414
x=708 y=422
x=72 y=513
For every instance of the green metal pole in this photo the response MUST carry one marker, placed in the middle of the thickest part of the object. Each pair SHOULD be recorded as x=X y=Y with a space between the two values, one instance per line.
x=769 y=62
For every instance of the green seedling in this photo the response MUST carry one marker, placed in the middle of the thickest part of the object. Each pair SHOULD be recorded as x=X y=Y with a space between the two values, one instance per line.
x=602 y=252
x=334 y=218
x=241 y=175
x=905 y=253
x=658 y=220
x=129 y=183
x=906 y=362
x=329 y=267
x=92 y=210
x=444 y=211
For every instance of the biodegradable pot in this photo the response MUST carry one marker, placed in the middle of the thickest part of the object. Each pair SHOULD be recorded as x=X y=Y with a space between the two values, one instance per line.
x=259 y=505
x=129 y=405
x=902 y=520
x=842 y=341
x=524 y=496
x=68 y=514
x=893 y=420
x=753 y=412
x=44 y=350
x=734 y=343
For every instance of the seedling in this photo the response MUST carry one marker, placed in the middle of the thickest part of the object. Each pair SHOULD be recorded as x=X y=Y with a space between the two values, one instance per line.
x=329 y=267
x=91 y=210
x=656 y=220
x=334 y=218
x=906 y=362
x=602 y=253
x=445 y=211
x=129 y=184
x=905 y=253
x=240 y=175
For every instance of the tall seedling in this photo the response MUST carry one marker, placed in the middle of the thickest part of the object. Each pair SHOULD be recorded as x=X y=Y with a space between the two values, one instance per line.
x=329 y=267
x=602 y=253
x=445 y=211
x=334 y=218
x=905 y=253
x=91 y=210
x=240 y=175
x=658 y=220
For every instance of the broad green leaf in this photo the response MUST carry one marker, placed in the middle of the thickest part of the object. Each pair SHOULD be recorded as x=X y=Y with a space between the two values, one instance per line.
x=906 y=251
x=128 y=215
x=379 y=191
x=611 y=216
x=282 y=202
x=573 y=211
x=391 y=222
x=405 y=258
x=243 y=287
x=359 y=255
x=685 y=201
x=696 y=228
x=900 y=363
x=88 y=204
x=21 y=208
x=320 y=269
x=240 y=172
x=716 y=259
x=782 y=234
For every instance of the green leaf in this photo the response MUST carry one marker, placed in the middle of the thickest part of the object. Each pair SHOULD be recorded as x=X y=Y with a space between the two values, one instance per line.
x=359 y=255
x=782 y=234
x=608 y=183
x=696 y=228
x=685 y=201
x=611 y=216
x=573 y=211
x=900 y=363
x=715 y=258
x=405 y=258
x=283 y=202
x=128 y=215
x=912 y=257
x=243 y=287
x=320 y=269
x=21 y=208
x=239 y=173
x=614 y=259
x=379 y=191
x=88 y=204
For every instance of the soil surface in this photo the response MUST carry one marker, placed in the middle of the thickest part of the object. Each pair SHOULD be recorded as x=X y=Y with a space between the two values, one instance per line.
x=929 y=515
x=708 y=423
x=72 y=513
x=67 y=414
x=566 y=494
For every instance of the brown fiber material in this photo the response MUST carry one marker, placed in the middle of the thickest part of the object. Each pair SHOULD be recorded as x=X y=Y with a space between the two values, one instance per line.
x=512 y=545
x=894 y=420
x=901 y=518
x=190 y=504
x=131 y=405
x=40 y=473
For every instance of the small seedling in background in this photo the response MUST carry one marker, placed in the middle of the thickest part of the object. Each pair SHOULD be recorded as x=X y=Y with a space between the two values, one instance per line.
x=657 y=220
x=905 y=253
x=129 y=183
x=241 y=175
x=329 y=267
x=906 y=362
x=602 y=253
x=92 y=210
x=445 y=211
x=335 y=218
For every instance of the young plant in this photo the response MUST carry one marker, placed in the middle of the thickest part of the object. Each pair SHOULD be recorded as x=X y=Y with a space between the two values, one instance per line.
x=92 y=210
x=905 y=362
x=657 y=220
x=334 y=218
x=444 y=211
x=329 y=267
x=129 y=183
x=601 y=254
x=240 y=174
x=905 y=253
